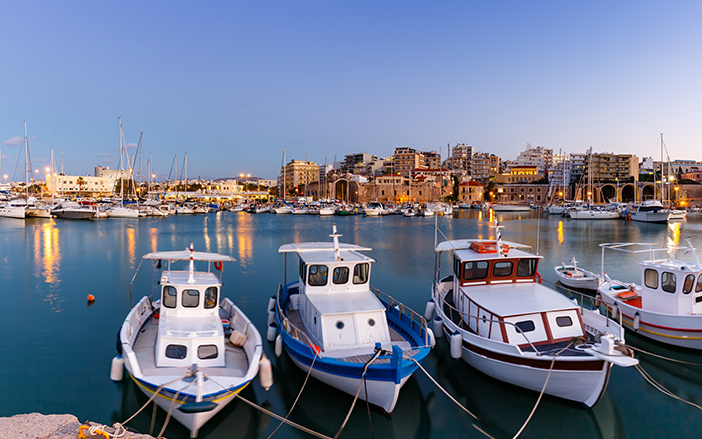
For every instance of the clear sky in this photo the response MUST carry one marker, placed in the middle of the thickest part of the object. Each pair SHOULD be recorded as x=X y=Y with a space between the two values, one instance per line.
x=231 y=83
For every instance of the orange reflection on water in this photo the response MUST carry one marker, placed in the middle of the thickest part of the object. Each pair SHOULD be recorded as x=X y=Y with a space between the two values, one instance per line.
x=674 y=239
x=153 y=238
x=131 y=246
x=560 y=232
x=47 y=252
x=245 y=239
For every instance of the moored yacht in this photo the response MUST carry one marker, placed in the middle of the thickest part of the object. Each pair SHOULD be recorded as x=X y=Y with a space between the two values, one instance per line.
x=503 y=322
x=650 y=211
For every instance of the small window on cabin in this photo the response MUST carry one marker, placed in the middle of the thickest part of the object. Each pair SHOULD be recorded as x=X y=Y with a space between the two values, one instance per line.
x=689 y=282
x=651 y=278
x=207 y=352
x=525 y=326
x=210 y=297
x=698 y=287
x=668 y=282
x=318 y=275
x=303 y=270
x=502 y=269
x=360 y=273
x=526 y=267
x=457 y=267
x=564 y=321
x=169 y=297
x=191 y=298
x=340 y=275
x=176 y=351
x=475 y=270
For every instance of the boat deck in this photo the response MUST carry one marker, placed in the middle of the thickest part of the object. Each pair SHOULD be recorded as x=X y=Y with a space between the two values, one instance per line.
x=237 y=364
x=299 y=331
x=452 y=313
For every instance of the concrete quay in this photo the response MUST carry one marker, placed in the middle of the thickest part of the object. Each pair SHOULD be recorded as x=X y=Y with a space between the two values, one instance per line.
x=39 y=426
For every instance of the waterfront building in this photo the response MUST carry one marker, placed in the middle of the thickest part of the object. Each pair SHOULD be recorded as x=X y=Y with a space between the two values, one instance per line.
x=480 y=166
x=406 y=159
x=87 y=185
x=299 y=172
x=521 y=193
x=539 y=156
x=520 y=174
x=357 y=163
x=470 y=192
x=461 y=155
x=495 y=166
x=577 y=167
x=610 y=167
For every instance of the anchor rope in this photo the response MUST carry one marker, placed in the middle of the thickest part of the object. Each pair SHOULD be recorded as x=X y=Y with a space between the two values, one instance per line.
x=543 y=389
x=273 y=415
x=664 y=357
x=662 y=389
x=298 y=395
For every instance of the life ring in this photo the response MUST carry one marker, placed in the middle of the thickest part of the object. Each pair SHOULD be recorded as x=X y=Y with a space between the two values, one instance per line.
x=538 y=277
x=218 y=265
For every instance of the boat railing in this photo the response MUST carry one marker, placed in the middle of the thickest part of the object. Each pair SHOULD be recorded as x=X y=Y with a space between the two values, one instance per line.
x=462 y=323
x=415 y=320
x=290 y=328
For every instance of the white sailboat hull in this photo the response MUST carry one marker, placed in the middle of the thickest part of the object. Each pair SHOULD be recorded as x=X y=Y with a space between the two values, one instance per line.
x=12 y=211
x=122 y=212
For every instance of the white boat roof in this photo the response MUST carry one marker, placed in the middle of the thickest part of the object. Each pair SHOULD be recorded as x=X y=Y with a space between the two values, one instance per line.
x=464 y=252
x=349 y=303
x=508 y=300
x=181 y=278
x=184 y=255
x=324 y=252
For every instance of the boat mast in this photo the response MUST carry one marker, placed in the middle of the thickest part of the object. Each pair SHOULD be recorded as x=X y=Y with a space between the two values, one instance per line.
x=121 y=165
x=26 y=171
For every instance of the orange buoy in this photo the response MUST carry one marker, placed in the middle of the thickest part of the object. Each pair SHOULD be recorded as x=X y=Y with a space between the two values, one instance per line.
x=91 y=298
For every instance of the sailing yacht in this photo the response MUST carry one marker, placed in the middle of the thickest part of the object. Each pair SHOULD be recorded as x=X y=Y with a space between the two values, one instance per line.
x=121 y=211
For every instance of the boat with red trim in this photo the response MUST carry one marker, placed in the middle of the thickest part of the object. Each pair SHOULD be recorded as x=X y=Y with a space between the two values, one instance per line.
x=192 y=348
x=504 y=323
x=667 y=305
x=352 y=336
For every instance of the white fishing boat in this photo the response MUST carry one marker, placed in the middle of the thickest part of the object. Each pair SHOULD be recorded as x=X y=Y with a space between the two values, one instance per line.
x=572 y=276
x=354 y=337
x=193 y=347
x=503 y=322
x=667 y=305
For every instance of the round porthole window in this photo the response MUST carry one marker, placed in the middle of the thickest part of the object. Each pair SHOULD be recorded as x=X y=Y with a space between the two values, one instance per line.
x=371 y=322
x=339 y=325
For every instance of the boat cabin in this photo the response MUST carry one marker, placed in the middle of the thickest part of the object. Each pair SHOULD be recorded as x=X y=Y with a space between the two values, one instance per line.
x=500 y=296
x=671 y=286
x=336 y=304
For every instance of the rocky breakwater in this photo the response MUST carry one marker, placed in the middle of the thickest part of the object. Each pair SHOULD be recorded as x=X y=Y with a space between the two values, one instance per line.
x=38 y=426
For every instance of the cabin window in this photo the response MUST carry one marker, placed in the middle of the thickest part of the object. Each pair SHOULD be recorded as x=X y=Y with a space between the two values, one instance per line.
x=318 y=275
x=564 y=321
x=340 y=275
x=210 y=297
x=191 y=298
x=525 y=326
x=526 y=267
x=176 y=351
x=457 y=267
x=698 y=288
x=169 y=297
x=651 y=278
x=475 y=270
x=207 y=352
x=303 y=270
x=502 y=269
x=689 y=281
x=668 y=282
x=360 y=273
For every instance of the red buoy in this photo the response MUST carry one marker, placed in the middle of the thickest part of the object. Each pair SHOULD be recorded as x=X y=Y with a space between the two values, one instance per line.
x=91 y=298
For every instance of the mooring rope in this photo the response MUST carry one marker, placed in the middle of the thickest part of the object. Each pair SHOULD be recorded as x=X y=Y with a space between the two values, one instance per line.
x=298 y=395
x=170 y=409
x=543 y=389
x=662 y=389
x=442 y=389
x=273 y=415
x=363 y=376
x=664 y=357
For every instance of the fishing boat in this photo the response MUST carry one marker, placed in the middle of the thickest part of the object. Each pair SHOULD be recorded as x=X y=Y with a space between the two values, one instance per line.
x=667 y=305
x=194 y=348
x=504 y=323
x=353 y=337
x=572 y=276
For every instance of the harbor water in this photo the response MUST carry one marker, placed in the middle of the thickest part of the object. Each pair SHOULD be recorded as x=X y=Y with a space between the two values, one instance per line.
x=56 y=352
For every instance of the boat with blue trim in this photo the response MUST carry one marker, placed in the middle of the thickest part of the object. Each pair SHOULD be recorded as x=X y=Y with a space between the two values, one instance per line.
x=351 y=335
x=191 y=351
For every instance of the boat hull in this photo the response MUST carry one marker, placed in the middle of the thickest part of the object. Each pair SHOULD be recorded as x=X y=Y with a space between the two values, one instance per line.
x=76 y=214
x=12 y=212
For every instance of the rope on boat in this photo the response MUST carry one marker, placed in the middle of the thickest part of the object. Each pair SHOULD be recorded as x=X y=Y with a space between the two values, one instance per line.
x=271 y=414
x=309 y=372
x=442 y=389
x=170 y=409
x=543 y=389
x=662 y=389
x=363 y=379
x=664 y=357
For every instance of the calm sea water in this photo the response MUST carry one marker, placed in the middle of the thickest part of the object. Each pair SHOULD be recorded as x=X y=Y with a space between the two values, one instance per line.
x=56 y=352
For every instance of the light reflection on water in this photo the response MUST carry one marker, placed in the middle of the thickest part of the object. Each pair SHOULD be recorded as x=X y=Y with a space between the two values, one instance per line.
x=68 y=259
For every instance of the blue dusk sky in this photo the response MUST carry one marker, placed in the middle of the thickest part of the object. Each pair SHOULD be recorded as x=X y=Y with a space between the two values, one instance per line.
x=232 y=83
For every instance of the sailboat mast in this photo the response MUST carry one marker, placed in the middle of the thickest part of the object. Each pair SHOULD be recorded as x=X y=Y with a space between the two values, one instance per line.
x=121 y=165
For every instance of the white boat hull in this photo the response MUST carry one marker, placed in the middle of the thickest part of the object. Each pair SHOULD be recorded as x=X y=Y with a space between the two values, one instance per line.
x=12 y=212
x=650 y=217
x=510 y=208
x=594 y=214
x=122 y=212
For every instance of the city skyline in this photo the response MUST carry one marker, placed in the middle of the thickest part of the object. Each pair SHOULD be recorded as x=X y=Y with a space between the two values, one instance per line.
x=233 y=83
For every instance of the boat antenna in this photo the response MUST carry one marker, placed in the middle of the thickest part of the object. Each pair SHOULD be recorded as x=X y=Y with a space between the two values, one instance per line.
x=691 y=249
x=498 y=239
x=191 y=268
x=335 y=236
